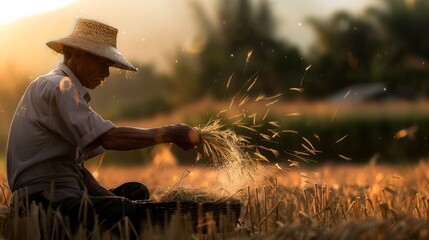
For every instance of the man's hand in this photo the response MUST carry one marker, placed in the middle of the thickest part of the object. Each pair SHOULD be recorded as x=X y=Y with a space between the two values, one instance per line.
x=184 y=136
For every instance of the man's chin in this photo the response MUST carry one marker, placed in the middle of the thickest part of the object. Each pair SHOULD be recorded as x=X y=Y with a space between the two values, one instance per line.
x=92 y=86
x=96 y=85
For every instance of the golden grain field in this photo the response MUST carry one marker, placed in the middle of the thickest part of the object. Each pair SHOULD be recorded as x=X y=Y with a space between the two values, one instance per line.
x=325 y=202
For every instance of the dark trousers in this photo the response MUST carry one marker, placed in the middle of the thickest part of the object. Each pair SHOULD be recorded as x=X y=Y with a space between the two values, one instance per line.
x=109 y=209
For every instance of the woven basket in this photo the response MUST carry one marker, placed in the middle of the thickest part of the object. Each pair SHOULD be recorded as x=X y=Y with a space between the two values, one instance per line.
x=202 y=216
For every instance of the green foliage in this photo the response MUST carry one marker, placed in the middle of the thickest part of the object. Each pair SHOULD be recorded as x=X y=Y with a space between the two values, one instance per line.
x=367 y=136
x=403 y=57
x=347 y=47
x=238 y=44
x=388 y=44
x=404 y=24
x=142 y=94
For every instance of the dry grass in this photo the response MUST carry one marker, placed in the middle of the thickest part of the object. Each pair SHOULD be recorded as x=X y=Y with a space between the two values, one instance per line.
x=330 y=202
x=179 y=193
x=228 y=151
x=189 y=194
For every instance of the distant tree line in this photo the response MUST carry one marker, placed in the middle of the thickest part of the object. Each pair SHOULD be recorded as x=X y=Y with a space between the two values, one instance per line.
x=388 y=43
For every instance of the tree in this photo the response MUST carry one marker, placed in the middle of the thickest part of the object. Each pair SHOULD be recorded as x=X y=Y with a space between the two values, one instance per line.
x=141 y=94
x=240 y=42
x=405 y=24
x=389 y=44
x=404 y=55
x=346 y=48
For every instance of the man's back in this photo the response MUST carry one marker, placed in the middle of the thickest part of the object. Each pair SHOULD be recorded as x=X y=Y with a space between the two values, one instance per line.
x=47 y=139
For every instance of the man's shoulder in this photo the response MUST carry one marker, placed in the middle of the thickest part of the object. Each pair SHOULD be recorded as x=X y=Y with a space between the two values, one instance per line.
x=52 y=79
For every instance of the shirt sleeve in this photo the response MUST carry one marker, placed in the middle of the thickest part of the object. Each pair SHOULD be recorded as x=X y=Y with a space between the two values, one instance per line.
x=73 y=119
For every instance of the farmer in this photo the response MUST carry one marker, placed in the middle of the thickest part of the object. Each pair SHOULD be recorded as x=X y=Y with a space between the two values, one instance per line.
x=54 y=131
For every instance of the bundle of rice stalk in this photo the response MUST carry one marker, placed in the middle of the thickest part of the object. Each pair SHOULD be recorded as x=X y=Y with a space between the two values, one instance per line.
x=184 y=194
x=227 y=150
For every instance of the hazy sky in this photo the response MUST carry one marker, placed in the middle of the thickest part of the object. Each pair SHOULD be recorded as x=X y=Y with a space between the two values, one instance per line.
x=149 y=31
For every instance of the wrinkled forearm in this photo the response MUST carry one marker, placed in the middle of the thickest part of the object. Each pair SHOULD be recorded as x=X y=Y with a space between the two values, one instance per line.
x=129 y=138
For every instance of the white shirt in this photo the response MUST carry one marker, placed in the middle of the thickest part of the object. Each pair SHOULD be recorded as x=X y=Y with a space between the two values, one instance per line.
x=51 y=134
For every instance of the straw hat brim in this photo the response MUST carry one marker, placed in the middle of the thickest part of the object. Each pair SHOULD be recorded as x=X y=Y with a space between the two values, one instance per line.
x=97 y=48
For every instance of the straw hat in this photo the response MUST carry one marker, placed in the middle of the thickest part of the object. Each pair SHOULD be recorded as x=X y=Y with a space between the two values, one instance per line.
x=96 y=38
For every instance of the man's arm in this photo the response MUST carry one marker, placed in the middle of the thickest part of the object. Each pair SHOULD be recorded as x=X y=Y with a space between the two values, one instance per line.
x=130 y=138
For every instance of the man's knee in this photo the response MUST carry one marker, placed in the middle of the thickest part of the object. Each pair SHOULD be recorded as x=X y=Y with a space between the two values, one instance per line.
x=132 y=191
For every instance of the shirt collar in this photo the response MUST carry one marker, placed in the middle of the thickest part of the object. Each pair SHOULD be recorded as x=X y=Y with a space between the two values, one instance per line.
x=79 y=87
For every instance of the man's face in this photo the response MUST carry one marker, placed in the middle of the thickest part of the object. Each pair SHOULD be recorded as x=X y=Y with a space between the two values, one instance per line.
x=92 y=70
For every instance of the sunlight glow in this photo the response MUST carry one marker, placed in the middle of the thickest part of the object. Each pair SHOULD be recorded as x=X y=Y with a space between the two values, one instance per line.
x=12 y=10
